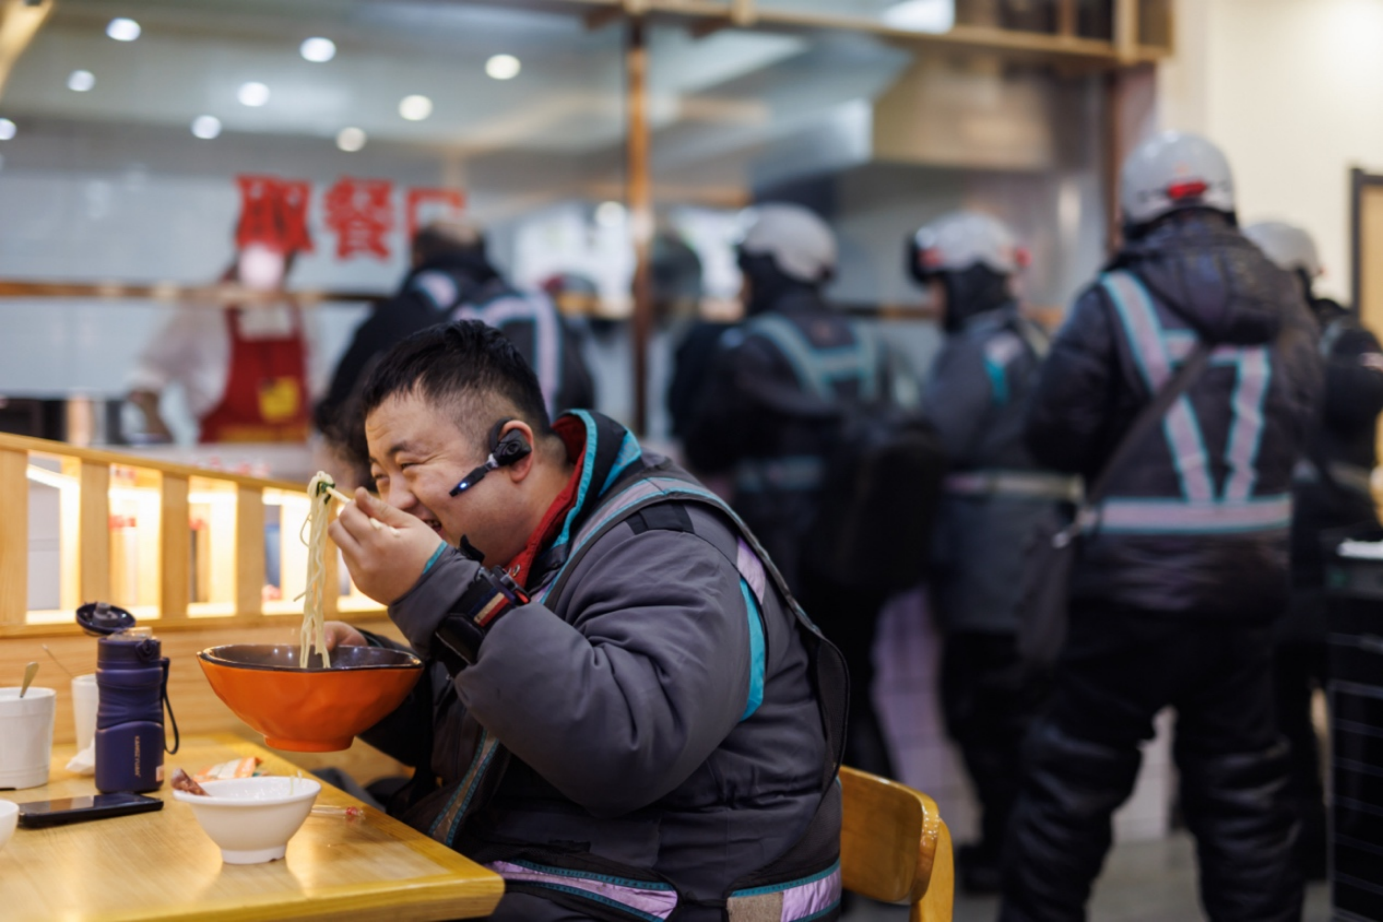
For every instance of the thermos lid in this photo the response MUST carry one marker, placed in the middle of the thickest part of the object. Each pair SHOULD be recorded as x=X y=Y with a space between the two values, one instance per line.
x=102 y=619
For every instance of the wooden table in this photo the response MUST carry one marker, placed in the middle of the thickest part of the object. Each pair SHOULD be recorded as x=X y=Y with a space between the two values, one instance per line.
x=161 y=866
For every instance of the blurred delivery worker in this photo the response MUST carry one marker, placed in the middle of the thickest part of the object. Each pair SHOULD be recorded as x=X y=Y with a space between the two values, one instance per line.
x=781 y=388
x=1331 y=495
x=451 y=275
x=624 y=712
x=243 y=370
x=976 y=396
x=1183 y=564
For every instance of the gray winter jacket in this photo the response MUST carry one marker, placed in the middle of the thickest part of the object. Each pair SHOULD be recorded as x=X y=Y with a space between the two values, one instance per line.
x=651 y=718
x=976 y=396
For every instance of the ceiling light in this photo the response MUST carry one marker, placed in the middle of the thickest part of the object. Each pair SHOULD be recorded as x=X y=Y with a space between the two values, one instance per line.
x=122 y=29
x=317 y=50
x=502 y=67
x=610 y=214
x=81 y=81
x=921 y=15
x=253 y=94
x=7 y=129
x=415 y=108
x=350 y=140
x=206 y=127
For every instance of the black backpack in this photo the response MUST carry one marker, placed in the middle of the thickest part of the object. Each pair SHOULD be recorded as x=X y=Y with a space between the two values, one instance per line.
x=883 y=475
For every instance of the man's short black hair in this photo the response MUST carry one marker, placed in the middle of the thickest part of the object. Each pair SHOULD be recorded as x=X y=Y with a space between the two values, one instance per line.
x=468 y=367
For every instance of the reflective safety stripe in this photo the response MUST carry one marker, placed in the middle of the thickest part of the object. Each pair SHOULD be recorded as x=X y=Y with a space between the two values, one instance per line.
x=791 y=473
x=1351 y=477
x=755 y=697
x=995 y=481
x=1251 y=387
x=819 y=368
x=808 y=898
x=1145 y=336
x=547 y=335
x=1130 y=515
x=647 y=900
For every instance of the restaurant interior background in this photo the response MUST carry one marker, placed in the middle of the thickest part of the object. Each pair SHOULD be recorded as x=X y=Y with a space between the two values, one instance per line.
x=574 y=131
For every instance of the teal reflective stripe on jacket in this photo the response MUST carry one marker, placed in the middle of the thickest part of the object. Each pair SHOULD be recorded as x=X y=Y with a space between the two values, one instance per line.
x=1203 y=508
x=819 y=369
x=787 y=473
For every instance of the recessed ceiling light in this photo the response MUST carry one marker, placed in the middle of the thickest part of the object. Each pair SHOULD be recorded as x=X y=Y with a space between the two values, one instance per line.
x=81 y=81
x=7 y=129
x=317 y=50
x=415 y=108
x=921 y=15
x=610 y=214
x=253 y=94
x=122 y=29
x=350 y=140
x=206 y=127
x=502 y=67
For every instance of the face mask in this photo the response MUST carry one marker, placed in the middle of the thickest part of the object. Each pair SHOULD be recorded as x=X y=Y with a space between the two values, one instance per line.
x=260 y=269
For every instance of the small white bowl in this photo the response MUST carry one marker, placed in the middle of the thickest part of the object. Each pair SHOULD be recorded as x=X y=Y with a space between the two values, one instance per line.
x=9 y=816
x=252 y=819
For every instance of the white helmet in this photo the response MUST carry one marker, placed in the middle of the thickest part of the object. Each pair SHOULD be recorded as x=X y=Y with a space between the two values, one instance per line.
x=800 y=243
x=1172 y=171
x=1287 y=246
x=958 y=241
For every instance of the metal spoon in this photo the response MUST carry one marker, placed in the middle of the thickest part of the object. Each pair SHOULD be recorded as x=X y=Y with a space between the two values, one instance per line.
x=30 y=670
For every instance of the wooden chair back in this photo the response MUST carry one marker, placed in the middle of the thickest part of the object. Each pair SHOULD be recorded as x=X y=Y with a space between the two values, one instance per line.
x=895 y=845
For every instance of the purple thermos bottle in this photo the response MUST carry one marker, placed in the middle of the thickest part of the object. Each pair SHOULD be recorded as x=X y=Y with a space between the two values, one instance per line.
x=132 y=676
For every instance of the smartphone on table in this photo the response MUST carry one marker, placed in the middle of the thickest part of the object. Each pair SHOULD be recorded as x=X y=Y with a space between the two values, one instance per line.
x=84 y=807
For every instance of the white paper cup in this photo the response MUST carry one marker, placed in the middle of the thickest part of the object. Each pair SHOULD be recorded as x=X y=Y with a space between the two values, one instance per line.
x=85 y=698
x=26 y=736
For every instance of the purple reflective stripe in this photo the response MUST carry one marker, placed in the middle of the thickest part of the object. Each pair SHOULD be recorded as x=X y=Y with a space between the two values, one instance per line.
x=803 y=902
x=751 y=568
x=1147 y=516
x=546 y=342
x=657 y=903
x=1252 y=383
x=1179 y=425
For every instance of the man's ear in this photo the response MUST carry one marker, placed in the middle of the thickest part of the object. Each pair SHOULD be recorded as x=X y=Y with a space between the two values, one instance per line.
x=519 y=430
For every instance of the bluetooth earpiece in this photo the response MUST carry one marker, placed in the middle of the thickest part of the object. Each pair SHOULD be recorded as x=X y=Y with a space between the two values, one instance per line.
x=505 y=450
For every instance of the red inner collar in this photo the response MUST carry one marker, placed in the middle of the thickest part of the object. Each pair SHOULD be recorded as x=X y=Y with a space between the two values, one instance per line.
x=573 y=434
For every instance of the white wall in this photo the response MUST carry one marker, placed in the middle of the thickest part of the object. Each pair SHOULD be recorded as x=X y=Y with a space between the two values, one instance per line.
x=1292 y=91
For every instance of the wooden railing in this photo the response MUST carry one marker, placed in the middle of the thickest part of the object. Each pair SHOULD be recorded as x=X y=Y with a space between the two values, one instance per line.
x=180 y=547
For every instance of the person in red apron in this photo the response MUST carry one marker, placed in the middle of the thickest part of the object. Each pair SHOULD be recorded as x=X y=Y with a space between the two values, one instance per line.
x=243 y=371
x=266 y=387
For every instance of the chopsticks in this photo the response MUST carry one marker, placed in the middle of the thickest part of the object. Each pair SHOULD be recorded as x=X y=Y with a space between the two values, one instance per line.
x=345 y=499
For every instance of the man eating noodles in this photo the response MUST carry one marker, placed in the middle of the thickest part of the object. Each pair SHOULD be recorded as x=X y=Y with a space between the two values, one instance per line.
x=624 y=713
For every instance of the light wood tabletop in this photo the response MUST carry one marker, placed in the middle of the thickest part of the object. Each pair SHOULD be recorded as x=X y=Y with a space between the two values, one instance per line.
x=161 y=866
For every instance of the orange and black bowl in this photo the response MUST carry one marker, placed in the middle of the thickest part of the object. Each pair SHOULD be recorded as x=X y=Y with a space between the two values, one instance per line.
x=309 y=709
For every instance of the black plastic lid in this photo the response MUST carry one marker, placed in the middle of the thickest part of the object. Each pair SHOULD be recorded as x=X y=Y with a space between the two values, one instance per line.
x=102 y=619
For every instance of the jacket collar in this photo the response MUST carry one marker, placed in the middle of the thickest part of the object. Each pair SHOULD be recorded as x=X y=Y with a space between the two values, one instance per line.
x=605 y=454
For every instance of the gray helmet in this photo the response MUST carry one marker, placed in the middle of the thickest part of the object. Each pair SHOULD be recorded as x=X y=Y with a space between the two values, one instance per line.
x=960 y=240
x=800 y=244
x=1172 y=171
x=1287 y=246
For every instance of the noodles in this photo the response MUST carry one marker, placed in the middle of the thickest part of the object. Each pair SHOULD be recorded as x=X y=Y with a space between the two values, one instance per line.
x=314 y=630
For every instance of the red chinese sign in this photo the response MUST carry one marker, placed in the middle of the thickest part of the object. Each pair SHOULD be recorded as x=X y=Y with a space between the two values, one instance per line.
x=361 y=212
x=426 y=205
x=274 y=213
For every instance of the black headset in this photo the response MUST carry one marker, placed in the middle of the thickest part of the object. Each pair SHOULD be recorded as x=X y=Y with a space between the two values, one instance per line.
x=505 y=450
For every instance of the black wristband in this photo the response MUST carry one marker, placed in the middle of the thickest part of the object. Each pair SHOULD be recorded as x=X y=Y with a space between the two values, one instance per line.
x=489 y=595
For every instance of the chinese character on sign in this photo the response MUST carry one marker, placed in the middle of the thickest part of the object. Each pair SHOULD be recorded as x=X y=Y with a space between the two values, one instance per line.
x=361 y=212
x=428 y=205
x=273 y=213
